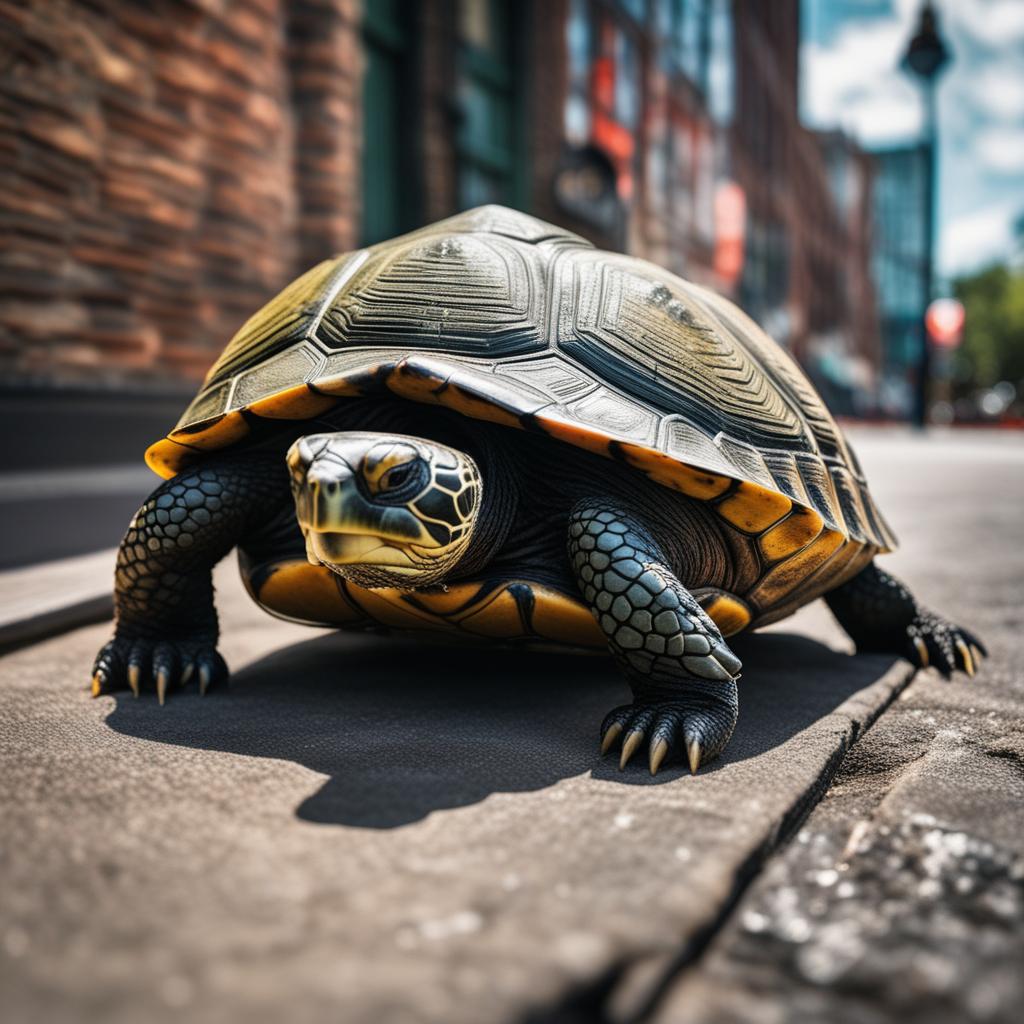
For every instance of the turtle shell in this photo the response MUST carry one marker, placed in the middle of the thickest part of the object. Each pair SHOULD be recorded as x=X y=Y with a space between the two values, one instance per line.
x=503 y=317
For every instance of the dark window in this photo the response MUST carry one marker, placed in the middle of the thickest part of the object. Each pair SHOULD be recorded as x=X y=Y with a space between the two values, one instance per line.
x=389 y=181
x=489 y=167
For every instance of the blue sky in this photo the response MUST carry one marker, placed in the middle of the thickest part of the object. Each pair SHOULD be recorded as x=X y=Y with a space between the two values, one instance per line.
x=850 y=79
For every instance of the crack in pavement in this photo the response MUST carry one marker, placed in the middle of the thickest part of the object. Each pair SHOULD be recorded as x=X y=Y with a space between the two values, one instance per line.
x=600 y=1001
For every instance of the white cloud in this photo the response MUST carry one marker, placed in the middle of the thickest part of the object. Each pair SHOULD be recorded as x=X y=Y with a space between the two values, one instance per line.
x=973 y=240
x=998 y=90
x=995 y=23
x=1001 y=150
x=856 y=83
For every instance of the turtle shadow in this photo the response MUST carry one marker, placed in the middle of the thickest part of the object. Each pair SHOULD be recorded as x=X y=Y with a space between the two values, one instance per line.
x=402 y=729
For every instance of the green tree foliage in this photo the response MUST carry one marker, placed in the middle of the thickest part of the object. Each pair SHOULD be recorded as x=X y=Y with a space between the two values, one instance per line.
x=993 y=345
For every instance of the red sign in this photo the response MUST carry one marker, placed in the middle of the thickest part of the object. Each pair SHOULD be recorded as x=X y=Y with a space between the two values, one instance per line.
x=730 y=228
x=945 y=322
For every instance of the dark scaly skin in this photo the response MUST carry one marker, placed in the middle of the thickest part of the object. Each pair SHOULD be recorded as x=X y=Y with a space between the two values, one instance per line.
x=880 y=614
x=166 y=624
x=682 y=674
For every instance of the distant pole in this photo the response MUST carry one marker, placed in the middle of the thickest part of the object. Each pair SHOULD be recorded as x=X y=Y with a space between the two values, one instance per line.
x=924 y=374
x=926 y=56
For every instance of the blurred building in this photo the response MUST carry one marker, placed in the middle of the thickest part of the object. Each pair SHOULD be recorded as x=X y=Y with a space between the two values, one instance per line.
x=806 y=273
x=845 y=350
x=166 y=169
x=900 y=269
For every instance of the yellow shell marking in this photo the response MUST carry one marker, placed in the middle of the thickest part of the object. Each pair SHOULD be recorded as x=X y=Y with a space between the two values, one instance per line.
x=830 y=572
x=477 y=408
x=222 y=432
x=167 y=457
x=789 y=574
x=416 y=386
x=421 y=384
x=753 y=508
x=728 y=613
x=663 y=469
x=340 y=386
x=800 y=527
x=298 y=590
x=308 y=593
x=298 y=403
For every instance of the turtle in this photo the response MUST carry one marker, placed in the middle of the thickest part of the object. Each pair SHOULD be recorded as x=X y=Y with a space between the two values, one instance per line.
x=490 y=431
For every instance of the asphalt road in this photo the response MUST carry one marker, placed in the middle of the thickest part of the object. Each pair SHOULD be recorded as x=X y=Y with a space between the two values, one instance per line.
x=367 y=830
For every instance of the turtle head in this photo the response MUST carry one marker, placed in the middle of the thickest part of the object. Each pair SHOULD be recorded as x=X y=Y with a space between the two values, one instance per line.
x=384 y=510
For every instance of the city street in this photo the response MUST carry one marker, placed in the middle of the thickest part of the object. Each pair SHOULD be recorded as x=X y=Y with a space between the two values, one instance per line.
x=370 y=831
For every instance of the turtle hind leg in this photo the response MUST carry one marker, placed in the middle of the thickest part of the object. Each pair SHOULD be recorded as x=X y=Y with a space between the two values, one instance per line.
x=881 y=614
x=682 y=673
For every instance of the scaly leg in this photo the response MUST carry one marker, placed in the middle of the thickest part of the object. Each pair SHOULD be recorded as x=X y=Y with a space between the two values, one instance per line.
x=880 y=614
x=166 y=624
x=682 y=674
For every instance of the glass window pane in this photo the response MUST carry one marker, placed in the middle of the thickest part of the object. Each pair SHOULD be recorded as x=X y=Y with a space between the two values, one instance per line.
x=577 y=119
x=720 y=67
x=634 y=8
x=578 y=42
x=627 y=80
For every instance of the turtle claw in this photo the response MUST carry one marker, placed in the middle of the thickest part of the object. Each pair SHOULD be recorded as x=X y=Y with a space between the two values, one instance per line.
x=212 y=669
x=163 y=680
x=659 y=748
x=937 y=643
x=693 y=754
x=610 y=735
x=136 y=663
x=629 y=745
x=965 y=659
x=694 y=728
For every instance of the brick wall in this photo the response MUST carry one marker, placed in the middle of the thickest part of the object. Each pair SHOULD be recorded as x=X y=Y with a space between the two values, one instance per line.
x=436 y=74
x=326 y=66
x=152 y=157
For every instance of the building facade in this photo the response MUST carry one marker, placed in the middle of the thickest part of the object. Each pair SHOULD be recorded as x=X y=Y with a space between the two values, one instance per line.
x=806 y=274
x=900 y=269
x=165 y=173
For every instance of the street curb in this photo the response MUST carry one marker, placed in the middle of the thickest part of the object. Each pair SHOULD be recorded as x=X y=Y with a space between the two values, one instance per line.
x=44 y=600
x=14 y=635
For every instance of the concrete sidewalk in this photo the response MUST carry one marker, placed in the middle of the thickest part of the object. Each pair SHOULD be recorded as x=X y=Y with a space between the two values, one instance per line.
x=52 y=597
x=366 y=830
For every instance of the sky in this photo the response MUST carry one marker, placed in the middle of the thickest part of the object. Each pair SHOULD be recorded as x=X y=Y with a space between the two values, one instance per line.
x=850 y=79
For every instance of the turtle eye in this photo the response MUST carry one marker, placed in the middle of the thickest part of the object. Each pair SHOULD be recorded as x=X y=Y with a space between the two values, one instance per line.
x=394 y=478
x=400 y=483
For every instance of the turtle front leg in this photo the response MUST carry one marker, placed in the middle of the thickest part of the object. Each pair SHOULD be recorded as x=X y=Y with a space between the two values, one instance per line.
x=881 y=614
x=165 y=621
x=682 y=674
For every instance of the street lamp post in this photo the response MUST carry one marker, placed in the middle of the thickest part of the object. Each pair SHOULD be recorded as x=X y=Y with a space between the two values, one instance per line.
x=926 y=56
